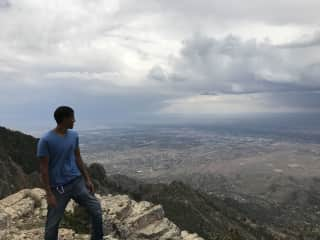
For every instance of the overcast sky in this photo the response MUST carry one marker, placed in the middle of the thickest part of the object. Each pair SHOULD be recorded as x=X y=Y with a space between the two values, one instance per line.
x=143 y=61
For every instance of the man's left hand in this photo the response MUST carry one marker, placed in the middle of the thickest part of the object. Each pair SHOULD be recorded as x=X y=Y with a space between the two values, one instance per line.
x=90 y=186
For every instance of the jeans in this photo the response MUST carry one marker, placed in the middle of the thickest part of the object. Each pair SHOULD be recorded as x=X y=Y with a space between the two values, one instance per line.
x=78 y=191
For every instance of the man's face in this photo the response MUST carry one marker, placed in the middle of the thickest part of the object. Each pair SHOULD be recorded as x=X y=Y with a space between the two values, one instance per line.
x=69 y=122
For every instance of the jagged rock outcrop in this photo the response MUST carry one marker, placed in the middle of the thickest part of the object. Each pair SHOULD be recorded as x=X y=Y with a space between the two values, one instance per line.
x=22 y=216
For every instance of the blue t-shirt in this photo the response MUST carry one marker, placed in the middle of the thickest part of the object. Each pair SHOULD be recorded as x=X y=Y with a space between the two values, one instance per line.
x=61 y=153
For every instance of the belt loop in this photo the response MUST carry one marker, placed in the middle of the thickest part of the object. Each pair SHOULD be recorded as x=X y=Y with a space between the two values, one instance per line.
x=62 y=191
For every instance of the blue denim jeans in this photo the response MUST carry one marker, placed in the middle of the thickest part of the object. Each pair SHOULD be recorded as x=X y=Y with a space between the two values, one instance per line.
x=78 y=191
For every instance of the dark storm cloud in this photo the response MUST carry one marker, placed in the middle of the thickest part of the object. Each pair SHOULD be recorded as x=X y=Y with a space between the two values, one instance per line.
x=302 y=99
x=4 y=4
x=233 y=65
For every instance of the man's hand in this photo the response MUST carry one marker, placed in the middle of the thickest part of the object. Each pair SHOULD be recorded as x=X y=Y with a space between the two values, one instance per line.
x=83 y=170
x=51 y=199
x=90 y=186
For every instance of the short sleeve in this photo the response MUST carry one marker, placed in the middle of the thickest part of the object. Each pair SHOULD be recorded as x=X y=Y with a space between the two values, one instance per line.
x=42 y=148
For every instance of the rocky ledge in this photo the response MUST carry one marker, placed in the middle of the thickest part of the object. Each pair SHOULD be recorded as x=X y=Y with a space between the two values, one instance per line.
x=23 y=214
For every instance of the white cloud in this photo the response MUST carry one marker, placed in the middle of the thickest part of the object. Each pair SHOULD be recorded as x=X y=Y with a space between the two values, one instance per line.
x=165 y=49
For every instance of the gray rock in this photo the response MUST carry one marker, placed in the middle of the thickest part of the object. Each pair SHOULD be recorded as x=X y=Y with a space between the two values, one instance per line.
x=22 y=217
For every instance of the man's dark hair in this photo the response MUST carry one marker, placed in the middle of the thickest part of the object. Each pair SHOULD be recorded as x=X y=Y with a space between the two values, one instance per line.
x=63 y=112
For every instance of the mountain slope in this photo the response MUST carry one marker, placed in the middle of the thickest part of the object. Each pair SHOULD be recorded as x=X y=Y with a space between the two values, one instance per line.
x=18 y=163
x=210 y=215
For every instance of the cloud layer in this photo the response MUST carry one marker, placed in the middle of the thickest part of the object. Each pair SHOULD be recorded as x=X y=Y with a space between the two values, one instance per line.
x=138 y=60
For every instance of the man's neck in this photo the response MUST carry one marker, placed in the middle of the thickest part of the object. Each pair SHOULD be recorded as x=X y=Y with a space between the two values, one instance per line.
x=61 y=130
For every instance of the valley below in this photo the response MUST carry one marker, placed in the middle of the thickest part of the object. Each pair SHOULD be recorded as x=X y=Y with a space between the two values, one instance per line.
x=271 y=175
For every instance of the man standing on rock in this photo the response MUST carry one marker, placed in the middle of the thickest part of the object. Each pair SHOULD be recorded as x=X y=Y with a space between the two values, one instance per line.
x=64 y=175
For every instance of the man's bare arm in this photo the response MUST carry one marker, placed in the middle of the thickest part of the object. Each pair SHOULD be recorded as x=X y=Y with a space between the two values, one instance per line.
x=44 y=172
x=81 y=165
